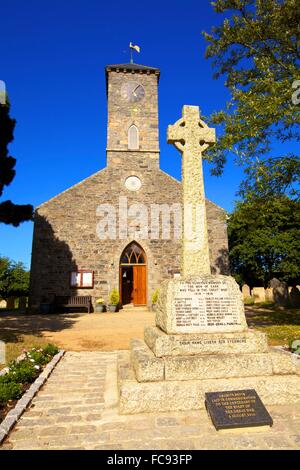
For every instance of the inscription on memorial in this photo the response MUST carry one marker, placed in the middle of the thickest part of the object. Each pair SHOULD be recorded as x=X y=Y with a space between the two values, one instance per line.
x=206 y=304
x=236 y=409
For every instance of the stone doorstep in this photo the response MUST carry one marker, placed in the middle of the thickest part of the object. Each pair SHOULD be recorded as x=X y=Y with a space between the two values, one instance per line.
x=149 y=368
x=180 y=395
x=162 y=344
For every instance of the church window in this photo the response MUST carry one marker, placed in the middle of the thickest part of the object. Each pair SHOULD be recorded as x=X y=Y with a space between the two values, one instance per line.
x=82 y=279
x=133 y=254
x=133 y=138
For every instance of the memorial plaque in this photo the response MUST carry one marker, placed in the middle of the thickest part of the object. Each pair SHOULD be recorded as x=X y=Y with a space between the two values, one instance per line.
x=236 y=409
x=201 y=305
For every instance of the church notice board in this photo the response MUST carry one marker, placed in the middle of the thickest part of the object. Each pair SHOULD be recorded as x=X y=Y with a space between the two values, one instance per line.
x=236 y=409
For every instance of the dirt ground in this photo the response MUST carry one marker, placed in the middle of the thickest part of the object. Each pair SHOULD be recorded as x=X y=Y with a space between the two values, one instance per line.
x=80 y=332
x=110 y=331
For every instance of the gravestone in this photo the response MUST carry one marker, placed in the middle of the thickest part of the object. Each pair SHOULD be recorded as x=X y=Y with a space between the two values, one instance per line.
x=246 y=291
x=201 y=342
x=2 y=352
x=280 y=292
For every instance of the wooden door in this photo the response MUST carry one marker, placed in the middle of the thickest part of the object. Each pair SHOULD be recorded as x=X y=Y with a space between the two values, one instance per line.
x=139 y=285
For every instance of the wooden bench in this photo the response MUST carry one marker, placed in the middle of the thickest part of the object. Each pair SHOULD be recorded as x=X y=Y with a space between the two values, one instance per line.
x=69 y=301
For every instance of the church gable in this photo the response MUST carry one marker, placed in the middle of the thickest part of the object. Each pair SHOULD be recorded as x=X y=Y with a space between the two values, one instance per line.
x=68 y=244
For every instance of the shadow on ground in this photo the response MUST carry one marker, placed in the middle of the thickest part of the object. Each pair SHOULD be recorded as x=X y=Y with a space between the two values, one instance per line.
x=13 y=326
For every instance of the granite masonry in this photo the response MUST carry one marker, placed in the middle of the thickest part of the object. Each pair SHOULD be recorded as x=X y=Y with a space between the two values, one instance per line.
x=201 y=342
x=65 y=236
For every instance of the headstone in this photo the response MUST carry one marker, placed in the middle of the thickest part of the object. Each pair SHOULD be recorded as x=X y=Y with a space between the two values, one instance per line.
x=236 y=409
x=295 y=296
x=259 y=294
x=280 y=292
x=2 y=352
x=269 y=294
x=246 y=291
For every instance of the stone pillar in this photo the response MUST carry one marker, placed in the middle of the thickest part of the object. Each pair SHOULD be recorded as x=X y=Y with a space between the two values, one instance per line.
x=191 y=136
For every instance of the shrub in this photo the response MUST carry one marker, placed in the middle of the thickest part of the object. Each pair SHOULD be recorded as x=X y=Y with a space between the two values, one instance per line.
x=23 y=372
x=249 y=301
x=114 y=297
x=155 y=296
x=50 y=350
x=295 y=346
x=9 y=391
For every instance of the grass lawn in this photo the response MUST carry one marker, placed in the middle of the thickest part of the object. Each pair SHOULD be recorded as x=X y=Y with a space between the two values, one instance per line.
x=281 y=326
x=13 y=350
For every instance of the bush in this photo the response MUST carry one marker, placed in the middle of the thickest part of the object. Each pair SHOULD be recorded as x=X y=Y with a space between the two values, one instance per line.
x=155 y=296
x=114 y=297
x=249 y=301
x=9 y=391
x=295 y=346
x=23 y=372
x=50 y=350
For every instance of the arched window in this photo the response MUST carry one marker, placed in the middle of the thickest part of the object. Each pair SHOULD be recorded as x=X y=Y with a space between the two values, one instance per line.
x=133 y=254
x=133 y=138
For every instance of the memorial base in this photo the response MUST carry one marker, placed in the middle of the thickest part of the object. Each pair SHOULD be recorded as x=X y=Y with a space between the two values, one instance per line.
x=180 y=395
x=202 y=344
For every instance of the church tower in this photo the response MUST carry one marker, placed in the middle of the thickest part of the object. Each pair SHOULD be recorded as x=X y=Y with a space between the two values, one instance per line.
x=132 y=96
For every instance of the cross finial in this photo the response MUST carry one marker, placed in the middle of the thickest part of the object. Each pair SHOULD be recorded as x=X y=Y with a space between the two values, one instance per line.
x=190 y=132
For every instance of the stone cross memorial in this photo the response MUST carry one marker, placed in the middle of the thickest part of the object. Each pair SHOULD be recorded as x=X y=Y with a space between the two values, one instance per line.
x=191 y=136
x=201 y=342
x=198 y=302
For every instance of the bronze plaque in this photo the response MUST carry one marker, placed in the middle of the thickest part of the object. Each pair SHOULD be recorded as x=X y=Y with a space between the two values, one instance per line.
x=236 y=409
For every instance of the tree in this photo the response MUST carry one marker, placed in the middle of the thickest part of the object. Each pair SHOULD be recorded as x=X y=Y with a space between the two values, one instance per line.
x=264 y=241
x=10 y=213
x=14 y=279
x=257 y=49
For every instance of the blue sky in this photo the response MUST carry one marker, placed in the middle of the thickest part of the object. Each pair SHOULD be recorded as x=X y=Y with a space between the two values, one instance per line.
x=53 y=55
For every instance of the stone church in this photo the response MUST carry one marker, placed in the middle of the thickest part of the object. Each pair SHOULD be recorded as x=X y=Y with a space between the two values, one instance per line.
x=68 y=255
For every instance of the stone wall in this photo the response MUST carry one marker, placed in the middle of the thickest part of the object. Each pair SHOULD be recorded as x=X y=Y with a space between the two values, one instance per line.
x=65 y=236
x=143 y=114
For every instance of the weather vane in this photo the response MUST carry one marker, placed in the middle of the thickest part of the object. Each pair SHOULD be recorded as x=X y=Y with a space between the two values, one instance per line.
x=133 y=48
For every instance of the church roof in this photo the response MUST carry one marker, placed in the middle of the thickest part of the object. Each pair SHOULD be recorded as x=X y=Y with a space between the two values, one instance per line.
x=131 y=67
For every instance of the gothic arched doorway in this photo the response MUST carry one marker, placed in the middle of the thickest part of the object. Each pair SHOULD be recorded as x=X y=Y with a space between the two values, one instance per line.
x=133 y=275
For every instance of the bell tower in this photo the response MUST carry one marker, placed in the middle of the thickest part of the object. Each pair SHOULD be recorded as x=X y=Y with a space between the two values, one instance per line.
x=132 y=128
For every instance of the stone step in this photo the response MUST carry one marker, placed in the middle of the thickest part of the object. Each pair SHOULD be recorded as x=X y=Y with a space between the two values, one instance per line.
x=144 y=397
x=245 y=342
x=149 y=368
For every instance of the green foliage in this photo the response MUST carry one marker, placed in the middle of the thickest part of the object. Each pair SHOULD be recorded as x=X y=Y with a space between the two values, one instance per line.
x=264 y=241
x=14 y=279
x=9 y=391
x=249 y=301
x=9 y=213
x=155 y=296
x=256 y=48
x=50 y=350
x=22 y=372
x=295 y=346
x=114 y=297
